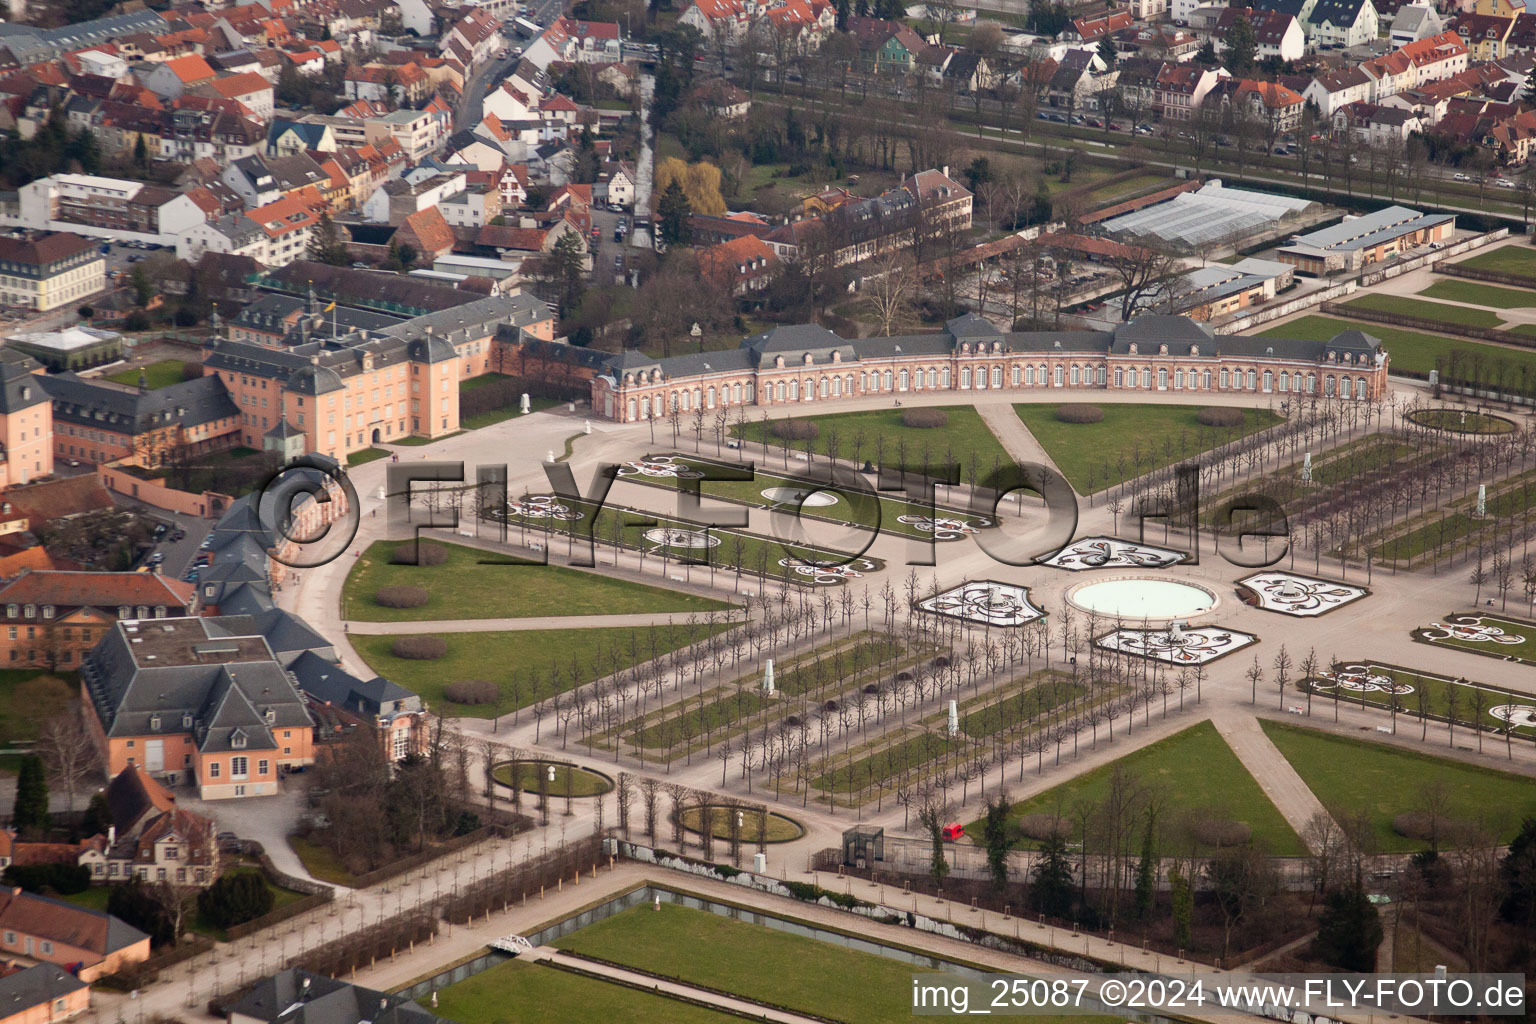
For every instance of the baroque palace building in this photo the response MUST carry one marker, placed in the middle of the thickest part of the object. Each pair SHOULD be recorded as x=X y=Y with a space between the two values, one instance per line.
x=806 y=363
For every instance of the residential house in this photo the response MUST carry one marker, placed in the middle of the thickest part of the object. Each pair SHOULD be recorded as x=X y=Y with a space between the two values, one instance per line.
x=1181 y=88
x=1376 y=125
x=886 y=45
x=26 y=421
x=295 y=996
x=340 y=703
x=1338 y=88
x=1486 y=36
x=1079 y=80
x=41 y=994
x=250 y=90
x=1278 y=35
x=740 y=267
x=169 y=79
x=49 y=271
x=87 y=943
x=51 y=619
x=1413 y=22
x=1091 y=30
x=1270 y=104
x=576 y=42
x=153 y=839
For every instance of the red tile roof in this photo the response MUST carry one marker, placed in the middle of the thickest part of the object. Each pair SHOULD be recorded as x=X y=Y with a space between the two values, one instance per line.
x=96 y=590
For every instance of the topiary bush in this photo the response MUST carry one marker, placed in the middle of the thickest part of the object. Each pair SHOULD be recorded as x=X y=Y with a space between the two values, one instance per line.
x=472 y=691
x=1221 y=833
x=401 y=597
x=1413 y=825
x=1220 y=416
x=419 y=648
x=925 y=419
x=235 y=899
x=419 y=553
x=1079 y=412
x=795 y=430
x=1044 y=826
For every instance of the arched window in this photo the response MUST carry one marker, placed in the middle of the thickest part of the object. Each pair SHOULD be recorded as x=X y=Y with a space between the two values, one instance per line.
x=997 y=376
x=1205 y=380
x=1146 y=377
x=885 y=380
x=1162 y=378
x=1178 y=380
x=645 y=408
x=965 y=377
x=1311 y=383
x=794 y=390
x=981 y=377
x=1284 y=381
x=1077 y=376
x=1253 y=379
x=848 y=384
x=631 y=409
x=687 y=400
x=709 y=398
x=1344 y=388
x=904 y=381
x=837 y=387
x=1226 y=379
x=1016 y=373
x=1029 y=376
x=826 y=387
x=1360 y=388
x=1059 y=375
x=1269 y=381
x=736 y=393
x=1100 y=375
x=944 y=378
x=1119 y=376
x=751 y=391
x=1296 y=381
x=863 y=381
x=1328 y=386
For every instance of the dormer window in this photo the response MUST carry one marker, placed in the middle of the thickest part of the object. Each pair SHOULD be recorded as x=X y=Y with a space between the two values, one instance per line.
x=122 y=611
x=30 y=611
x=11 y=611
x=47 y=611
x=186 y=720
x=154 y=723
x=1132 y=348
x=271 y=716
x=237 y=740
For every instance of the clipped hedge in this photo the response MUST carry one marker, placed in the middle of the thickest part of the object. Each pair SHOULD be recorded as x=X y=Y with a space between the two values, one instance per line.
x=401 y=597
x=1221 y=833
x=925 y=419
x=1079 y=412
x=1220 y=416
x=419 y=553
x=472 y=691
x=419 y=648
x=795 y=430
x=1414 y=825
x=1041 y=827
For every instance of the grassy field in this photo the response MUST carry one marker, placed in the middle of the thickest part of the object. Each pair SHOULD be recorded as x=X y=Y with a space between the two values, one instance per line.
x=1411 y=351
x=1462 y=422
x=319 y=861
x=547 y=995
x=474 y=584
x=28 y=697
x=159 y=374
x=1437 y=691
x=1479 y=294
x=780 y=829
x=1510 y=259
x=553 y=659
x=755 y=961
x=363 y=455
x=966 y=439
x=1197 y=771
x=1132 y=439
x=1440 y=311
x=1348 y=774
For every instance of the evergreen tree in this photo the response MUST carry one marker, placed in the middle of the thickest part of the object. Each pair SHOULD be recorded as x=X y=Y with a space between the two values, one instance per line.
x=1052 y=890
x=29 y=816
x=995 y=838
x=844 y=8
x=563 y=269
x=1242 y=46
x=1183 y=898
x=326 y=244
x=1518 y=872
x=674 y=212
x=1107 y=52
x=1207 y=54
x=132 y=902
x=140 y=152
x=1348 y=931
x=98 y=816
x=234 y=899
x=1146 y=874
x=143 y=290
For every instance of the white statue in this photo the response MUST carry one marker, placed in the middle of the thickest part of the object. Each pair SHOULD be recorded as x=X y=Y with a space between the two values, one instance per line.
x=1482 y=501
x=551 y=456
x=586 y=426
x=768 y=675
x=1175 y=633
x=954 y=719
x=1306 y=468
x=527 y=406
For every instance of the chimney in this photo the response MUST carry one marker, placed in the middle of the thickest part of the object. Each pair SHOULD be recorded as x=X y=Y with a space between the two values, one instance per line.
x=946 y=170
x=111 y=836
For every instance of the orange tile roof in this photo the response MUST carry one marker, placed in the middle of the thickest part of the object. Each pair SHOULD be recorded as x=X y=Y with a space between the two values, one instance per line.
x=243 y=84
x=96 y=590
x=191 y=69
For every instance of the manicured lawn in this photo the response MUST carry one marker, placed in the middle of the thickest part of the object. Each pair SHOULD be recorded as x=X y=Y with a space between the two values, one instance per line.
x=780 y=829
x=544 y=661
x=1428 y=310
x=1525 y=651
x=320 y=862
x=474 y=584
x=546 y=995
x=1348 y=774
x=879 y=435
x=416 y=440
x=357 y=458
x=1197 y=772
x=1438 y=694
x=755 y=961
x=1461 y=421
x=93 y=898
x=1511 y=259
x=1132 y=439
x=582 y=782
x=1411 y=351
x=28 y=697
x=158 y=375
x=1479 y=294
x=1143 y=182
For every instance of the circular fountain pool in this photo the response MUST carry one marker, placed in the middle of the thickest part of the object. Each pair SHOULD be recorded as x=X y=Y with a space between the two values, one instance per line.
x=1133 y=599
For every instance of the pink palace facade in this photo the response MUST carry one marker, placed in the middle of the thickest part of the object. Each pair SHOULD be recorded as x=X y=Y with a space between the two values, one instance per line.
x=804 y=364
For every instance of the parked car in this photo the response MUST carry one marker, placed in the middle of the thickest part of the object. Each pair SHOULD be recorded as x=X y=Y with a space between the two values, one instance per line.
x=953 y=832
x=228 y=842
x=1460 y=177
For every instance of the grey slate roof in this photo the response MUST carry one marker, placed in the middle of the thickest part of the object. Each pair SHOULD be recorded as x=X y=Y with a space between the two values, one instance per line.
x=36 y=986
x=103 y=405
x=20 y=385
x=325 y=681
x=297 y=996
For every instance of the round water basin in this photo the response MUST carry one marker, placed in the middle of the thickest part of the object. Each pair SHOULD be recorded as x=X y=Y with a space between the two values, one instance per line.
x=1137 y=598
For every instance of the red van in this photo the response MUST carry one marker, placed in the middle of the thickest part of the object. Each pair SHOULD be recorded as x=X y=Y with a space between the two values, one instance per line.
x=953 y=832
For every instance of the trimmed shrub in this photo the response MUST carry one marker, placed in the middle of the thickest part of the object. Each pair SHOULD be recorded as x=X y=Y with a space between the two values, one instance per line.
x=191 y=370
x=235 y=899
x=419 y=648
x=925 y=419
x=1220 y=416
x=1221 y=833
x=1079 y=412
x=795 y=430
x=1414 y=825
x=472 y=691
x=63 y=879
x=419 y=553
x=401 y=597
x=1044 y=826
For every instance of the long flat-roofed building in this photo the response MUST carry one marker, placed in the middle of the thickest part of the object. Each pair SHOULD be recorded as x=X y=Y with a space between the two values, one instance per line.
x=803 y=364
x=1357 y=242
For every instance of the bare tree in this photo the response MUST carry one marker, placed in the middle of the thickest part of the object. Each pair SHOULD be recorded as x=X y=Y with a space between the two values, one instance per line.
x=890 y=287
x=68 y=754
